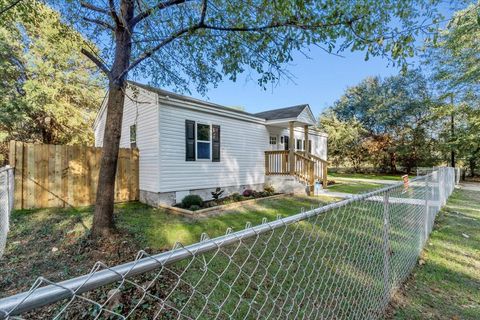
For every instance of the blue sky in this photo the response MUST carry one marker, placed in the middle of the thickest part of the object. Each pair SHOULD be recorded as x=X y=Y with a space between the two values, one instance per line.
x=319 y=80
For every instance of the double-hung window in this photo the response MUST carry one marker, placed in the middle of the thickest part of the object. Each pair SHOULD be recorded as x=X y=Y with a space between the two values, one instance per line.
x=273 y=140
x=204 y=141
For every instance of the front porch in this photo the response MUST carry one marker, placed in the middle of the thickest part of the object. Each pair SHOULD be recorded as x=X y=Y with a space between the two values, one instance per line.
x=297 y=159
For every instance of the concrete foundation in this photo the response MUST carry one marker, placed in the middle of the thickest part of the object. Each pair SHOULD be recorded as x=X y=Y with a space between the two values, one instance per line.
x=286 y=184
x=171 y=198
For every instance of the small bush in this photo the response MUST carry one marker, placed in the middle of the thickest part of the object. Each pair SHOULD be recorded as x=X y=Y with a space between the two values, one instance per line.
x=237 y=197
x=264 y=194
x=194 y=208
x=247 y=193
x=192 y=200
x=269 y=189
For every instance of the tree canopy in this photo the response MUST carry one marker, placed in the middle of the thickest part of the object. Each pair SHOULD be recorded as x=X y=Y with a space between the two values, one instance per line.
x=454 y=62
x=418 y=118
x=454 y=57
x=50 y=91
x=196 y=43
x=393 y=121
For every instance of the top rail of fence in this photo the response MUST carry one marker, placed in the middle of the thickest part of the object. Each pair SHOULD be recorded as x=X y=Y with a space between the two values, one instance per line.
x=41 y=296
x=6 y=168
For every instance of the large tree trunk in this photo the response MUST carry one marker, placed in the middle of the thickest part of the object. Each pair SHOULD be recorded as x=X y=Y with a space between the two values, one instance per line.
x=103 y=217
x=103 y=224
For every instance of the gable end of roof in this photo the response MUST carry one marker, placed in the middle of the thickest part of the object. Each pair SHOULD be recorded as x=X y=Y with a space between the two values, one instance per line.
x=283 y=113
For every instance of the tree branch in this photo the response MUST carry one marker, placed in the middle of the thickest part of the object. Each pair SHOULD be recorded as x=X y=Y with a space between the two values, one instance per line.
x=164 y=42
x=201 y=25
x=10 y=6
x=204 y=12
x=113 y=12
x=92 y=7
x=97 y=62
x=272 y=25
x=100 y=23
x=160 y=6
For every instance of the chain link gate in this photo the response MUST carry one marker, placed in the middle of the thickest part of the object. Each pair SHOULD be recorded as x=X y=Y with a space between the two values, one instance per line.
x=339 y=261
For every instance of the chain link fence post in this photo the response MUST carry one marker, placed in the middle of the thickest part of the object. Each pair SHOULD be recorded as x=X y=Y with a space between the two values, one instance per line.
x=427 y=211
x=386 y=248
x=6 y=204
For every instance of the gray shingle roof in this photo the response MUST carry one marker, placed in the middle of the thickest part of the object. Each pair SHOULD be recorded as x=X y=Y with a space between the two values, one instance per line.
x=186 y=98
x=283 y=113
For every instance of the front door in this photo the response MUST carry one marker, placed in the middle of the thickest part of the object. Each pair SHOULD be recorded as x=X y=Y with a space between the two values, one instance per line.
x=285 y=142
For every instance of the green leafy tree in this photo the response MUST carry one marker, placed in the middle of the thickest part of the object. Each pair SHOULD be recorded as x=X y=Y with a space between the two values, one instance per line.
x=50 y=91
x=396 y=113
x=184 y=43
x=455 y=63
x=345 y=140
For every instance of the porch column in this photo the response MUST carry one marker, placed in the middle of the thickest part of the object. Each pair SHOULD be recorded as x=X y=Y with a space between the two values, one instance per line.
x=307 y=143
x=291 y=148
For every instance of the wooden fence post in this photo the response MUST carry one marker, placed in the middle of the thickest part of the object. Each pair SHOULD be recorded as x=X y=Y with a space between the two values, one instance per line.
x=325 y=172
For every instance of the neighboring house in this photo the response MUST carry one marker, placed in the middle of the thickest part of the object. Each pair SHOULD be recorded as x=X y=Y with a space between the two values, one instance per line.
x=189 y=146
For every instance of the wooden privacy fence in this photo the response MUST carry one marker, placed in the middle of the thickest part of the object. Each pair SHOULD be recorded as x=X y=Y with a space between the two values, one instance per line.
x=59 y=175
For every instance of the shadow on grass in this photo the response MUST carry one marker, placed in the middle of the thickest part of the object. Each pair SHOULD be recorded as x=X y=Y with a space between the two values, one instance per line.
x=447 y=286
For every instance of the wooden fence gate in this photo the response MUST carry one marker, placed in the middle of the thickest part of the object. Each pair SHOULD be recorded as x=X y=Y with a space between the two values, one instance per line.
x=58 y=175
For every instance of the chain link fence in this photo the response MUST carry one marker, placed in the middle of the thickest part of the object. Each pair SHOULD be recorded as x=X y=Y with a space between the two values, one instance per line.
x=6 y=204
x=339 y=261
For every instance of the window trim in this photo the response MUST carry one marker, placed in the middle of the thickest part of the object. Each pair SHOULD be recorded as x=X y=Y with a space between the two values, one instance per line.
x=203 y=141
x=134 y=126
x=273 y=138
x=301 y=143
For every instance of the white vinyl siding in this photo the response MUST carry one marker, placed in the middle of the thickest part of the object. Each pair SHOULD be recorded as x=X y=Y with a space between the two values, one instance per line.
x=145 y=115
x=306 y=116
x=242 y=146
x=99 y=125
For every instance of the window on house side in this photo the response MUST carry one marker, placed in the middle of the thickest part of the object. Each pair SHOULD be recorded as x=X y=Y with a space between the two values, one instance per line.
x=299 y=144
x=203 y=141
x=133 y=133
x=273 y=140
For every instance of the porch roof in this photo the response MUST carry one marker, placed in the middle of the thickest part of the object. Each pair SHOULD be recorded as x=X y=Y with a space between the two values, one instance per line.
x=283 y=113
x=300 y=114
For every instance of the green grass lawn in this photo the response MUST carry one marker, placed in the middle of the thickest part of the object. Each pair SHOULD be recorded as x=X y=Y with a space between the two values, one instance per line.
x=370 y=176
x=330 y=266
x=160 y=230
x=447 y=285
x=54 y=242
x=353 y=186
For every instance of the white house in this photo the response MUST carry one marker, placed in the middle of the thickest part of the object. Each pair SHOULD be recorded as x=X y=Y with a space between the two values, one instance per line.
x=189 y=146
